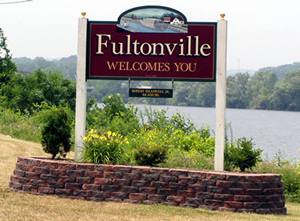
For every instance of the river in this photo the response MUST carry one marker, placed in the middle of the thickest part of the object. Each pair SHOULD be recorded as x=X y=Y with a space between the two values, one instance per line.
x=272 y=131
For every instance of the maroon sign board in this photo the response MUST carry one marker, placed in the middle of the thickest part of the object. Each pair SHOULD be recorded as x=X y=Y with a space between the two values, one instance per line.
x=152 y=42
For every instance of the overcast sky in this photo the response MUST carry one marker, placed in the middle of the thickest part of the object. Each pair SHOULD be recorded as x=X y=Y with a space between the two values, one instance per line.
x=261 y=32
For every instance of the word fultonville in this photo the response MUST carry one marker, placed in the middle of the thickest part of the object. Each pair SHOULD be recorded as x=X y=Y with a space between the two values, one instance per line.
x=187 y=46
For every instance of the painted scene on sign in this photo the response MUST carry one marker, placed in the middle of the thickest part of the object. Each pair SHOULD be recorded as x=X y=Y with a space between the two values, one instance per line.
x=153 y=19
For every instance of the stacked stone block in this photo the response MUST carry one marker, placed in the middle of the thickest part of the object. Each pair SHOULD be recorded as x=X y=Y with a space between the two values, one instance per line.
x=260 y=193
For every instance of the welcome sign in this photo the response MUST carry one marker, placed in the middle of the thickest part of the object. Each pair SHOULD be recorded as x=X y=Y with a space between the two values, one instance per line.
x=151 y=42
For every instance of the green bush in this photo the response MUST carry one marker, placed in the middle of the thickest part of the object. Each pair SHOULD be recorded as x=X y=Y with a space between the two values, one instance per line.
x=56 y=131
x=104 y=148
x=114 y=116
x=178 y=122
x=196 y=140
x=242 y=155
x=150 y=156
x=150 y=146
x=158 y=119
x=290 y=176
x=192 y=159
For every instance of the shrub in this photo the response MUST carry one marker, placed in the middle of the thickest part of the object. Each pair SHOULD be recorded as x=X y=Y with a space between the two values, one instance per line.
x=196 y=140
x=114 y=116
x=192 y=159
x=104 y=148
x=56 y=132
x=177 y=121
x=154 y=119
x=158 y=119
x=150 y=156
x=242 y=155
x=150 y=146
x=290 y=176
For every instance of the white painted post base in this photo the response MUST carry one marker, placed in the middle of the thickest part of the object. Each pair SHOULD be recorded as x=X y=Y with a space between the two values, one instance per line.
x=220 y=93
x=80 y=113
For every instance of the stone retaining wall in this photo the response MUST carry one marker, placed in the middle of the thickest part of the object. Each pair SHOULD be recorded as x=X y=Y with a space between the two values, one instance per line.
x=260 y=193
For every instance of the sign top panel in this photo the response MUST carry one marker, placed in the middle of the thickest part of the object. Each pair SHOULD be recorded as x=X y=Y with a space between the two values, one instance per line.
x=152 y=42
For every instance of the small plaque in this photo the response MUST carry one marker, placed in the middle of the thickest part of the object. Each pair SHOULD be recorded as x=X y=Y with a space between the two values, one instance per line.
x=150 y=92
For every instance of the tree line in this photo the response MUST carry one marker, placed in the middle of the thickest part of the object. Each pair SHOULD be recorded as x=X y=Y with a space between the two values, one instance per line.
x=272 y=88
x=263 y=90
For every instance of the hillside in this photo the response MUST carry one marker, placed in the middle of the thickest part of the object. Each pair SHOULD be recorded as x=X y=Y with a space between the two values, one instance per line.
x=66 y=65
x=282 y=70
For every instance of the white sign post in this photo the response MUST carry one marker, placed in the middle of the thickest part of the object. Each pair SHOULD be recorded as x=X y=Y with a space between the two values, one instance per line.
x=221 y=93
x=80 y=112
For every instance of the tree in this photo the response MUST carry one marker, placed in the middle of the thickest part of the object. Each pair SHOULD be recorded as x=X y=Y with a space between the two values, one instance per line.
x=261 y=87
x=7 y=67
x=237 y=91
x=242 y=154
x=56 y=132
x=286 y=95
x=24 y=92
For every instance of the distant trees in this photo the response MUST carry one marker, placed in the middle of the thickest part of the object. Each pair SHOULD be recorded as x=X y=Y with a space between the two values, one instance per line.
x=263 y=90
x=286 y=93
x=237 y=90
x=261 y=86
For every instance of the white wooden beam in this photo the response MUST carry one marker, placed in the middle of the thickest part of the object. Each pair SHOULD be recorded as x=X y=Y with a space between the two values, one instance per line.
x=221 y=93
x=81 y=97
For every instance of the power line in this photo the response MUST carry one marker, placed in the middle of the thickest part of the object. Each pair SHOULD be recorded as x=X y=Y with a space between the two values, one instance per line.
x=6 y=2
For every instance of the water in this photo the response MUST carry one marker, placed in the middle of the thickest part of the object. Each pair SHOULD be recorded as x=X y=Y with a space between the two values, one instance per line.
x=272 y=131
x=141 y=28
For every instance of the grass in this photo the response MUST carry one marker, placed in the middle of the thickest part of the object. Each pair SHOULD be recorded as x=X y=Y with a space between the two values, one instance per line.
x=19 y=125
x=21 y=206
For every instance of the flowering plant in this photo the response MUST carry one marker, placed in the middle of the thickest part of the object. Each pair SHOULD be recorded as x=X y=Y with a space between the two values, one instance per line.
x=107 y=147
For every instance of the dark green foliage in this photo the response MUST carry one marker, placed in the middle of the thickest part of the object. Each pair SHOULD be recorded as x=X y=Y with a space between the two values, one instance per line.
x=287 y=93
x=237 y=92
x=114 y=116
x=150 y=156
x=7 y=67
x=56 y=132
x=114 y=106
x=242 y=155
x=23 y=92
x=260 y=89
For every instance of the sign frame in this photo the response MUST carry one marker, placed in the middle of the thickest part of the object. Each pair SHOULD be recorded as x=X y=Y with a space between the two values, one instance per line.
x=107 y=77
x=220 y=79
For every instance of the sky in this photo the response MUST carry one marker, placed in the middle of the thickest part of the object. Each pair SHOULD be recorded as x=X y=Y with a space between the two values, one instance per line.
x=261 y=33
